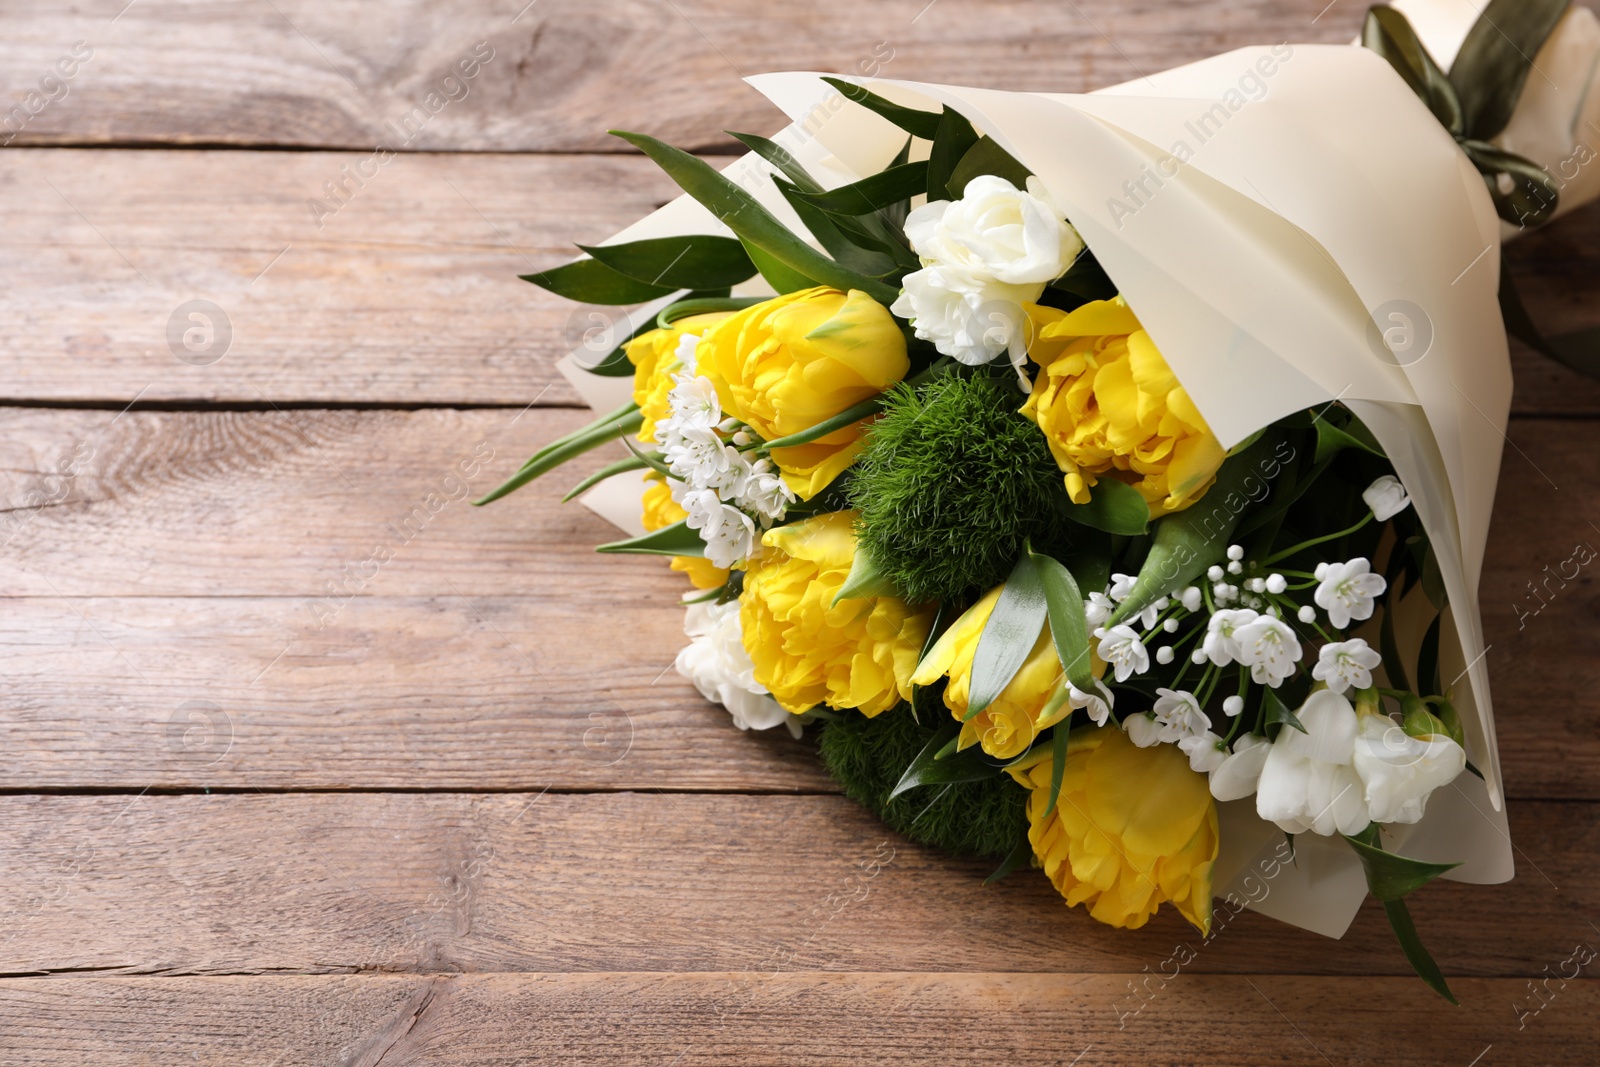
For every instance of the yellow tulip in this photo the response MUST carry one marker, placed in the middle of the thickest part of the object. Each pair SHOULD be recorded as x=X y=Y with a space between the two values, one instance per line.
x=654 y=355
x=1109 y=405
x=1134 y=828
x=1013 y=719
x=660 y=511
x=807 y=650
x=788 y=363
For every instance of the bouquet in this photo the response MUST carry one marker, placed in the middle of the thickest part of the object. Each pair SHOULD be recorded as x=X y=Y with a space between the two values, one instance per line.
x=1106 y=477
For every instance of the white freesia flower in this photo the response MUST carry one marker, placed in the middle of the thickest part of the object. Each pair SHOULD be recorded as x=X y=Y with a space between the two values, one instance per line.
x=1236 y=776
x=996 y=231
x=1098 y=609
x=1346 y=665
x=716 y=662
x=1269 y=648
x=1121 y=648
x=1386 y=497
x=973 y=320
x=1220 y=644
x=1097 y=702
x=1179 y=714
x=1348 y=590
x=1206 y=751
x=1308 y=781
x=1399 y=771
x=729 y=534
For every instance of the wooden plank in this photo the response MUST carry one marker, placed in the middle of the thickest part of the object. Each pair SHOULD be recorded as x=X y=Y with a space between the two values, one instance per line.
x=191 y=556
x=555 y=77
x=440 y=882
x=408 y=295
x=792 y=1019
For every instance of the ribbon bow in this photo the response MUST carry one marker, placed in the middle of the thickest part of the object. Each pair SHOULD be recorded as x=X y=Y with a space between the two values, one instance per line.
x=1475 y=100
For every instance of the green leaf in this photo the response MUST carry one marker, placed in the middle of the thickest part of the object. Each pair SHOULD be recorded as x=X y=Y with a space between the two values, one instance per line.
x=1331 y=439
x=781 y=158
x=987 y=157
x=865 y=579
x=1451 y=718
x=848 y=417
x=1428 y=657
x=695 y=261
x=928 y=769
x=778 y=274
x=1492 y=66
x=871 y=193
x=843 y=239
x=1068 y=627
x=1058 y=765
x=1390 y=647
x=1086 y=279
x=1390 y=877
x=1115 y=507
x=1008 y=635
x=674 y=540
x=703 y=305
x=1014 y=859
x=621 y=466
x=623 y=421
x=923 y=124
x=1274 y=710
x=752 y=222
x=1188 y=542
x=1433 y=580
x=589 y=281
x=952 y=141
x=1405 y=931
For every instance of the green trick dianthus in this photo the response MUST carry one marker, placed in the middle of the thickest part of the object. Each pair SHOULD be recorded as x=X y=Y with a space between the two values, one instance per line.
x=951 y=483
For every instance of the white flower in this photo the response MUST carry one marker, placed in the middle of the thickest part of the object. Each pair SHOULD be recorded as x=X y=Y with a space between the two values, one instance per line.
x=765 y=492
x=971 y=319
x=1143 y=729
x=1235 y=777
x=729 y=534
x=687 y=345
x=702 y=459
x=1097 y=609
x=1120 y=646
x=996 y=231
x=693 y=402
x=1269 y=648
x=1121 y=586
x=1399 y=771
x=1190 y=598
x=1206 y=751
x=1346 y=664
x=1347 y=590
x=1097 y=702
x=1179 y=714
x=1220 y=645
x=1386 y=497
x=718 y=665
x=1308 y=781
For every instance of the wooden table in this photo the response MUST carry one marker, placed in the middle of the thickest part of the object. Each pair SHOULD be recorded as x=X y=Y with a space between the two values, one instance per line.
x=309 y=762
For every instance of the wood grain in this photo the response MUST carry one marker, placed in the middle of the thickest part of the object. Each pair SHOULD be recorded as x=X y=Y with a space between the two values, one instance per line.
x=652 y=881
x=227 y=557
x=408 y=295
x=788 y=1019
x=342 y=75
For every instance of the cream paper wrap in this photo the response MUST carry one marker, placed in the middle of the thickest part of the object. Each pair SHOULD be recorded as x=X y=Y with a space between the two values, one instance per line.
x=1316 y=199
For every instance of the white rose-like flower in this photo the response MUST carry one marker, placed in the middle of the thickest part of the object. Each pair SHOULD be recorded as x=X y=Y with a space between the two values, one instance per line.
x=1121 y=648
x=1399 y=771
x=716 y=662
x=1220 y=644
x=1346 y=665
x=1236 y=776
x=996 y=231
x=971 y=319
x=1348 y=590
x=1308 y=781
x=1386 y=497
x=1269 y=648
x=729 y=534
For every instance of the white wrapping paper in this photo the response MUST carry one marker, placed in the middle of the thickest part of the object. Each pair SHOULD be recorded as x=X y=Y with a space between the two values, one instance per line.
x=1266 y=212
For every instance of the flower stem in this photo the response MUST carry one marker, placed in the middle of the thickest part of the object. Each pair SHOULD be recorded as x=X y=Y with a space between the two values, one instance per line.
x=1303 y=545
